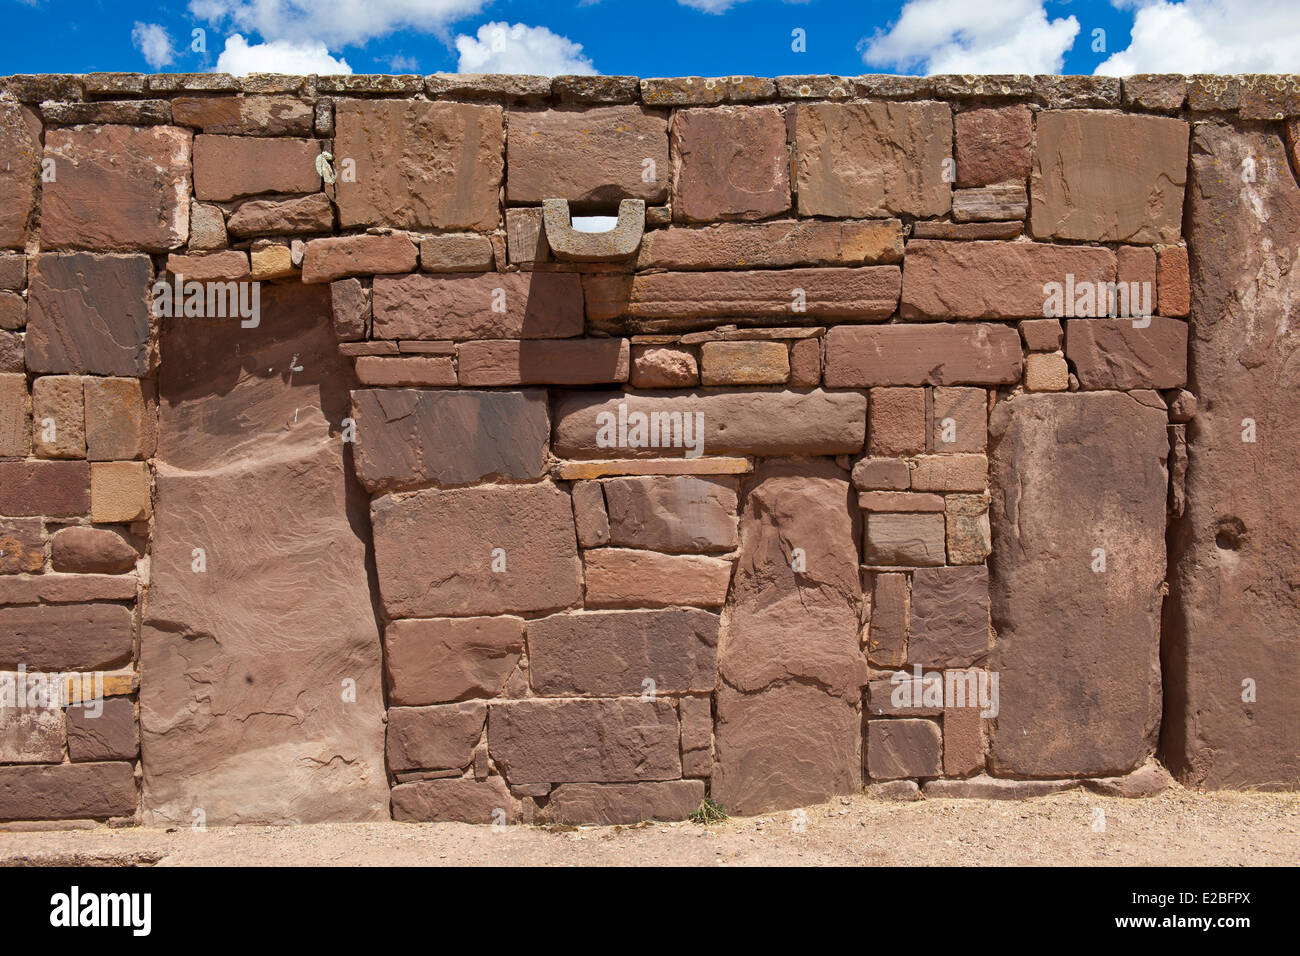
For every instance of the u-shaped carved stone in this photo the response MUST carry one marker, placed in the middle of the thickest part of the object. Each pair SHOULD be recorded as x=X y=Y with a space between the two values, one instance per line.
x=573 y=246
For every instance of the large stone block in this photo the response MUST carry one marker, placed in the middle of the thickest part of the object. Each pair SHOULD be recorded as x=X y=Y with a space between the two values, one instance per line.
x=596 y=155
x=440 y=660
x=51 y=488
x=575 y=741
x=409 y=437
x=1078 y=479
x=113 y=734
x=520 y=305
x=872 y=159
x=124 y=188
x=230 y=167
x=441 y=737
x=1128 y=353
x=903 y=748
x=1232 y=615
x=729 y=163
x=70 y=637
x=499 y=549
x=612 y=653
x=90 y=313
x=624 y=803
x=931 y=354
x=672 y=513
x=744 y=423
x=790 y=242
x=419 y=165
x=459 y=800
x=950 y=617
x=543 y=362
x=992 y=145
x=70 y=791
x=995 y=280
x=252 y=710
x=20 y=171
x=1108 y=177
x=791 y=669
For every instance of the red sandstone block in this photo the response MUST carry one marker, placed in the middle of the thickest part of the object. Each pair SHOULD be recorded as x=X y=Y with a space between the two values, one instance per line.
x=958 y=420
x=625 y=577
x=1175 y=285
x=112 y=735
x=518 y=305
x=790 y=242
x=439 y=660
x=884 y=474
x=439 y=737
x=71 y=637
x=409 y=370
x=993 y=145
x=932 y=354
x=896 y=422
x=52 y=488
x=543 y=362
x=1120 y=354
x=903 y=748
x=887 y=631
x=227 y=167
x=806 y=363
x=899 y=501
x=338 y=256
x=730 y=163
x=624 y=803
x=71 y=791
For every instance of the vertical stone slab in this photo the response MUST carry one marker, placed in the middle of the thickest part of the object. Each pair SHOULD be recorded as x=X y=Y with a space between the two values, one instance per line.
x=1233 y=615
x=244 y=664
x=1077 y=649
x=789 y=700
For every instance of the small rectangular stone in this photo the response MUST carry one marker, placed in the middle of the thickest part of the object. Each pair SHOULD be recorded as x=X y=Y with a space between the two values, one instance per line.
x=525 y=236
x=623 y=577
x=72 y=791
x=15 y=417
x=1153 y=91
x=589 y=515
x=517 y=305
x=339 y=256
x=377 y=347
x=905 y=697
x=416 y=347
x=958 y=420
x=887 y=630
x=966 y=230
x=785 y=244
x=744 y=363
x=948 y=473
x=1119 y=354
x=34 y=733
x=573 y=470
x=456 y=253
x=120 y=423
x=899 y=501
x=881 y=474
x=949 y=618
x=56 y=588
x=929 y=354
x=112 y=734
x=705 y=91
x=50 y=488
x=119 y=491
x=22 y=546
x=412 y=370
x=990 y=203
x=1174 y=282
x=442 y=660
x=543 y=362
x=896 y=422
x=624 y=803
x=1041 y=335
x=970 y=538
x=910 y=540
x=61 y=637
x=13 y=272
x=806 y=363
x=903 y=748
x=435 y=737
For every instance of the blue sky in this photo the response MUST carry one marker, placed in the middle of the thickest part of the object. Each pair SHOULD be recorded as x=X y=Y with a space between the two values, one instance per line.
x=652 y=37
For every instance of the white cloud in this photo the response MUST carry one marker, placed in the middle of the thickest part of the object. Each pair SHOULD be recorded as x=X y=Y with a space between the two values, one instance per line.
x=968 y=36
x=154 y=43
x=718 y=6
x=506 y=48
x=279 y=56
x=336 y=23
x=1210 y=36
x=400 y=63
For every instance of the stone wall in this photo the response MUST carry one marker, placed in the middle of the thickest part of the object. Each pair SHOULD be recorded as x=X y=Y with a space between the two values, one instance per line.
x=352 y=484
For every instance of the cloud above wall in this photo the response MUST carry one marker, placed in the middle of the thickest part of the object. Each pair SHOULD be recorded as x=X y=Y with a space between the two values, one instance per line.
x=961 y=36
x=517 y=48
x=335 y=23
x=279 y=56
x=154 y=43
x=1209 y=36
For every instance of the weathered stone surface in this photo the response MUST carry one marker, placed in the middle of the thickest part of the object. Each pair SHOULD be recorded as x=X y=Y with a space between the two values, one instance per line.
x=594 y=155
x=244 y=712
x=51 y=488
x=213 y=267
x=120 y=423
x=1077 y=92
x=792 y=242
x=869 y=292
x=543 y=362
x=1232 y=605
x=409 y=437
x=970 y=538
x=228 y=167
x=13 y=273
x=30 y=734
x=914 y=540
x=119 y=491
x=744 y=363
x=1146 y=781
x=885 y=474
x=416 y=370
x=672 y=513
x=274 y=217
x=887 y=630
x=895 y=791
x=88 y=313
x=254 y=115
x=624 y=803
x=112 y=735
x=575 y=741
x=1076 y=647
x=788 y=707
x=325 y=260
x=993 y=145
x=456 y=253
x=872 y=159
x=759 y=423
x=11 y=353
x=701 y=90
x=963 y=740
x=1108 y=177
x=350 y=307
x=207 y=227
x=587 y=470
x=1117 y=354
x=81 y=791
x=526 y=241
x=15 y=416
x=440 y=660
x=949 y=617
x=595 y=89
x=990 y=203
x=91 y=551
x=1174 y=282
x=612 y=653
x=1050 y=373
x=696 y=715
x=663 y=367
x=434 y=738
x=903 y=748
x=526 y=530
x=967 y=230
x=994 y=280
x=729 y=163
x=65 y=637
x=931 y=354
x=519 y=305
x=1042 y=335
x=20 y=167
x=624 y=577
x=67 y=588
x=1164 y=92
x=898 y=501
x=460 y=800
x=896 y=422
x=589 y=514
x=983 y=787
x=272 y=260
x=419 y=165
x=126 y=112
x=948 y=473
x=22 y=546
x=958 y=420
x=806 y=363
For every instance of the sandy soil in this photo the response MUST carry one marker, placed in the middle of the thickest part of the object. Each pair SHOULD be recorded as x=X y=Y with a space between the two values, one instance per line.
x=1178 y=827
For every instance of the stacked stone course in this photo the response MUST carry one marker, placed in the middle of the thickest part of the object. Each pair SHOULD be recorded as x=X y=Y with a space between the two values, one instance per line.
x=396 y=546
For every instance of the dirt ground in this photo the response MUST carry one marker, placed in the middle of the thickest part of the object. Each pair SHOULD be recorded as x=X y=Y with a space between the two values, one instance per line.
x=1178 y=827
